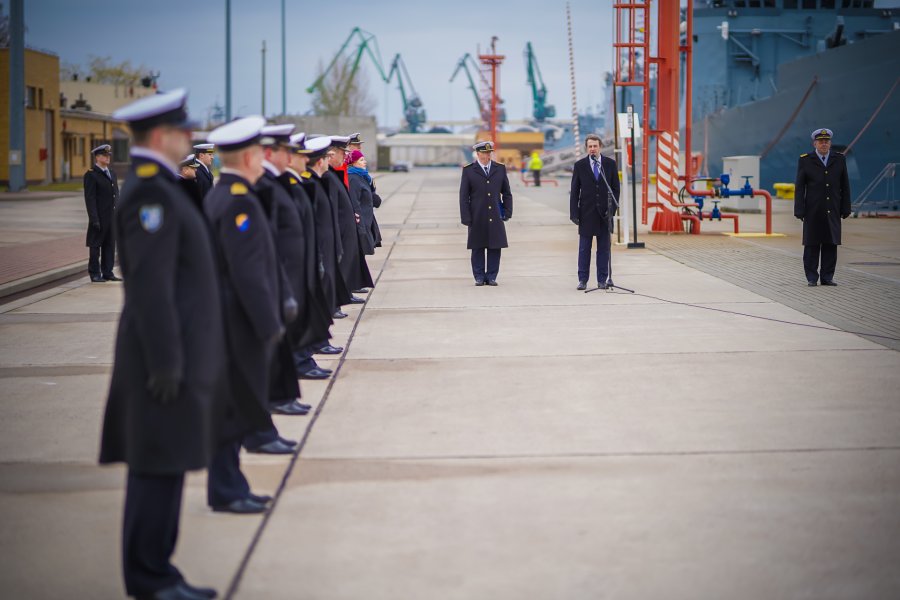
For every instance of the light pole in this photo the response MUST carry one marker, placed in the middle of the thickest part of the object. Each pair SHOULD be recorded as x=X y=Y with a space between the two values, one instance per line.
x=227 y=60
x=17 y=176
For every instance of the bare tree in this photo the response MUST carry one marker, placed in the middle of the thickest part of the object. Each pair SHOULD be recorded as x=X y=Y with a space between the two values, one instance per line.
x=343 y=92
x=102 y=69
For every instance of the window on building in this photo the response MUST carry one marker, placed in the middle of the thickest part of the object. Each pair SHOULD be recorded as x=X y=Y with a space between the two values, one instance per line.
x=811 y=4
x=81 y=146
x=40 y=98
x=827 y=3
x=119 y=146
x=30 y=96
x=790 y=4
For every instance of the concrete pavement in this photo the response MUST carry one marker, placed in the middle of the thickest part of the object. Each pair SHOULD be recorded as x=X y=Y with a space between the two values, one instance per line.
x=524 y=441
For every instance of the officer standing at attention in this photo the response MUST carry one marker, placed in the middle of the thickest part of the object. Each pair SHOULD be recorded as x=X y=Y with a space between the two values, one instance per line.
x=485 y=202
x=187 y=174
x=252 y=305
x=593 y=198
x=101 y=189
x=160 y=414
x=821 y=200
x=204 y=155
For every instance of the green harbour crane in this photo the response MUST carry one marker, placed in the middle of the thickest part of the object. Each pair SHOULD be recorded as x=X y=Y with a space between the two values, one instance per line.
x=367 y=44
x=541 y=111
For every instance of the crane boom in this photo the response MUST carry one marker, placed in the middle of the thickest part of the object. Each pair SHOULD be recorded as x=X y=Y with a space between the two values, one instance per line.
x=540 y=109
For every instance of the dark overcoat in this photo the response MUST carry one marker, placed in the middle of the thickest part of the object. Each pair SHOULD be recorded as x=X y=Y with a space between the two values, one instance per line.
x=192 y=188
x=822 y=197
x=589 y=203
x=328 y=238
x=485 y=202
x=361 y=195
x=251 y=295
x=171 y=323
x=204 y=180
x=353 y=265
x=100 y=195
x=314 y=316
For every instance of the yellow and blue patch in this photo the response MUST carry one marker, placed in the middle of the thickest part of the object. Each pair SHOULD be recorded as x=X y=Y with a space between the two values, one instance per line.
x=151 y=216
x=242 y=221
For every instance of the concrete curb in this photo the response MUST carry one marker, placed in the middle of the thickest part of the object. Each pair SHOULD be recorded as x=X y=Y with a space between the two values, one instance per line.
x=39 y=279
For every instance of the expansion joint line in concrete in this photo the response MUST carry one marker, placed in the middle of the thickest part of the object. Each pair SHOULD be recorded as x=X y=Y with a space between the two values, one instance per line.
x=245 y=561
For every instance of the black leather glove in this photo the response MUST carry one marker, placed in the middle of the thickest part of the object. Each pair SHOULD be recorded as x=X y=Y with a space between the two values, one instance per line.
x=164 y=387
x=96 y=225
x=289 y=309
x=506 y=218
x=574 y=221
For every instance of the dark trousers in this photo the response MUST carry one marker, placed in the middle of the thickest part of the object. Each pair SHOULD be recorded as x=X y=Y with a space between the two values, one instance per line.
x=811 y=255
x=102 y=258
x=604 y=269
x=485 y=263
x=537 y=178
x=224 y=481
x=150 y=531
x=303 y=358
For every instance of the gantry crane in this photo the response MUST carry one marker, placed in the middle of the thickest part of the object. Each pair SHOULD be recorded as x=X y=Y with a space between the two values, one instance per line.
x=540 y=109
x=413 y=108
x=468 y=64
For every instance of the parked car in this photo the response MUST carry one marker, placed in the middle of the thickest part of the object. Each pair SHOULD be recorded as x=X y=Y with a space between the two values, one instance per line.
x=401 y=166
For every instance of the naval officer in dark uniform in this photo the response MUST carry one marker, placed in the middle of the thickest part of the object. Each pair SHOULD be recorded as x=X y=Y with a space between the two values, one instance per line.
x=821 y=200
x=101 y=189
x=485 y=203
x=204 y=155
x=252 y=305
x=593 y=198
x=161 y=412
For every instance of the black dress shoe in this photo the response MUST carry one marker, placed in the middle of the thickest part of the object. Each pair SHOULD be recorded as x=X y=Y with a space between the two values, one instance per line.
x=493 y=283
x=582 y=285
x=329 y=349
x=339 y=315
x=179 y=591
x=111 y=278
x=273 y=447
x=290 y=443
x=829 y=283
x=244 y=506
x=97 y=279
x=811 y=284
x=260 y=499
x=291 y=408
x=304 y=406
x=361 y=291
x=479 y=282
x=357 y=300
x=314 y=374
x=204 y=592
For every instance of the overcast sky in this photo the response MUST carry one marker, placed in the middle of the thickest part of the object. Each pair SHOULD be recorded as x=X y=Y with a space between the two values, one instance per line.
x=185 y=41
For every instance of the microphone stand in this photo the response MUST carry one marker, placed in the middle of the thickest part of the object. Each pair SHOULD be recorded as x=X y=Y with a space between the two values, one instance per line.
x=612 y=205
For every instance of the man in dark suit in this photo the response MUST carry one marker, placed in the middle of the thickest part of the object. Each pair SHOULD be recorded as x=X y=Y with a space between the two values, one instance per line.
x=593 y=199
x=485 y=203
x=101 y=190
x=161 y=412
x=252 y=303
x=204 y=155
x=821 y=200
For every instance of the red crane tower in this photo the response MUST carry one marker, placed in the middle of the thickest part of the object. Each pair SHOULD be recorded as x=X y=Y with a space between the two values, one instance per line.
x=491 y=62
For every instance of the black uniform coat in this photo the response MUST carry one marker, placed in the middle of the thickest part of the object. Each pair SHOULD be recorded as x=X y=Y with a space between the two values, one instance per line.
x=171 y=322
x=328 y=238
x=314 y=317
x=588 y=197
x=251 y=295
x=204 y=180
x=485 y=201
x=353 y=265
x=361 y=195
x=192 y=188
x=100 y=195
x=822 y=197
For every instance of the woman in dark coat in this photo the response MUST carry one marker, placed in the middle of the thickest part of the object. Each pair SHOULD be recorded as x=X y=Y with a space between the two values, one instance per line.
x=362 y=195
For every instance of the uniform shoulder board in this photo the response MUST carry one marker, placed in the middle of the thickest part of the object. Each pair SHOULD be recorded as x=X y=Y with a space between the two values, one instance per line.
x=802 y=155
x=305 y=174
x=294 y=181
x=146 y=170
x=238 y=189
x=469 y=165
x=838 y=153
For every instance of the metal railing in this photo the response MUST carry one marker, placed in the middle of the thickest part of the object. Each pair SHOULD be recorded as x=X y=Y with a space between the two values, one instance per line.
x=880 y=194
